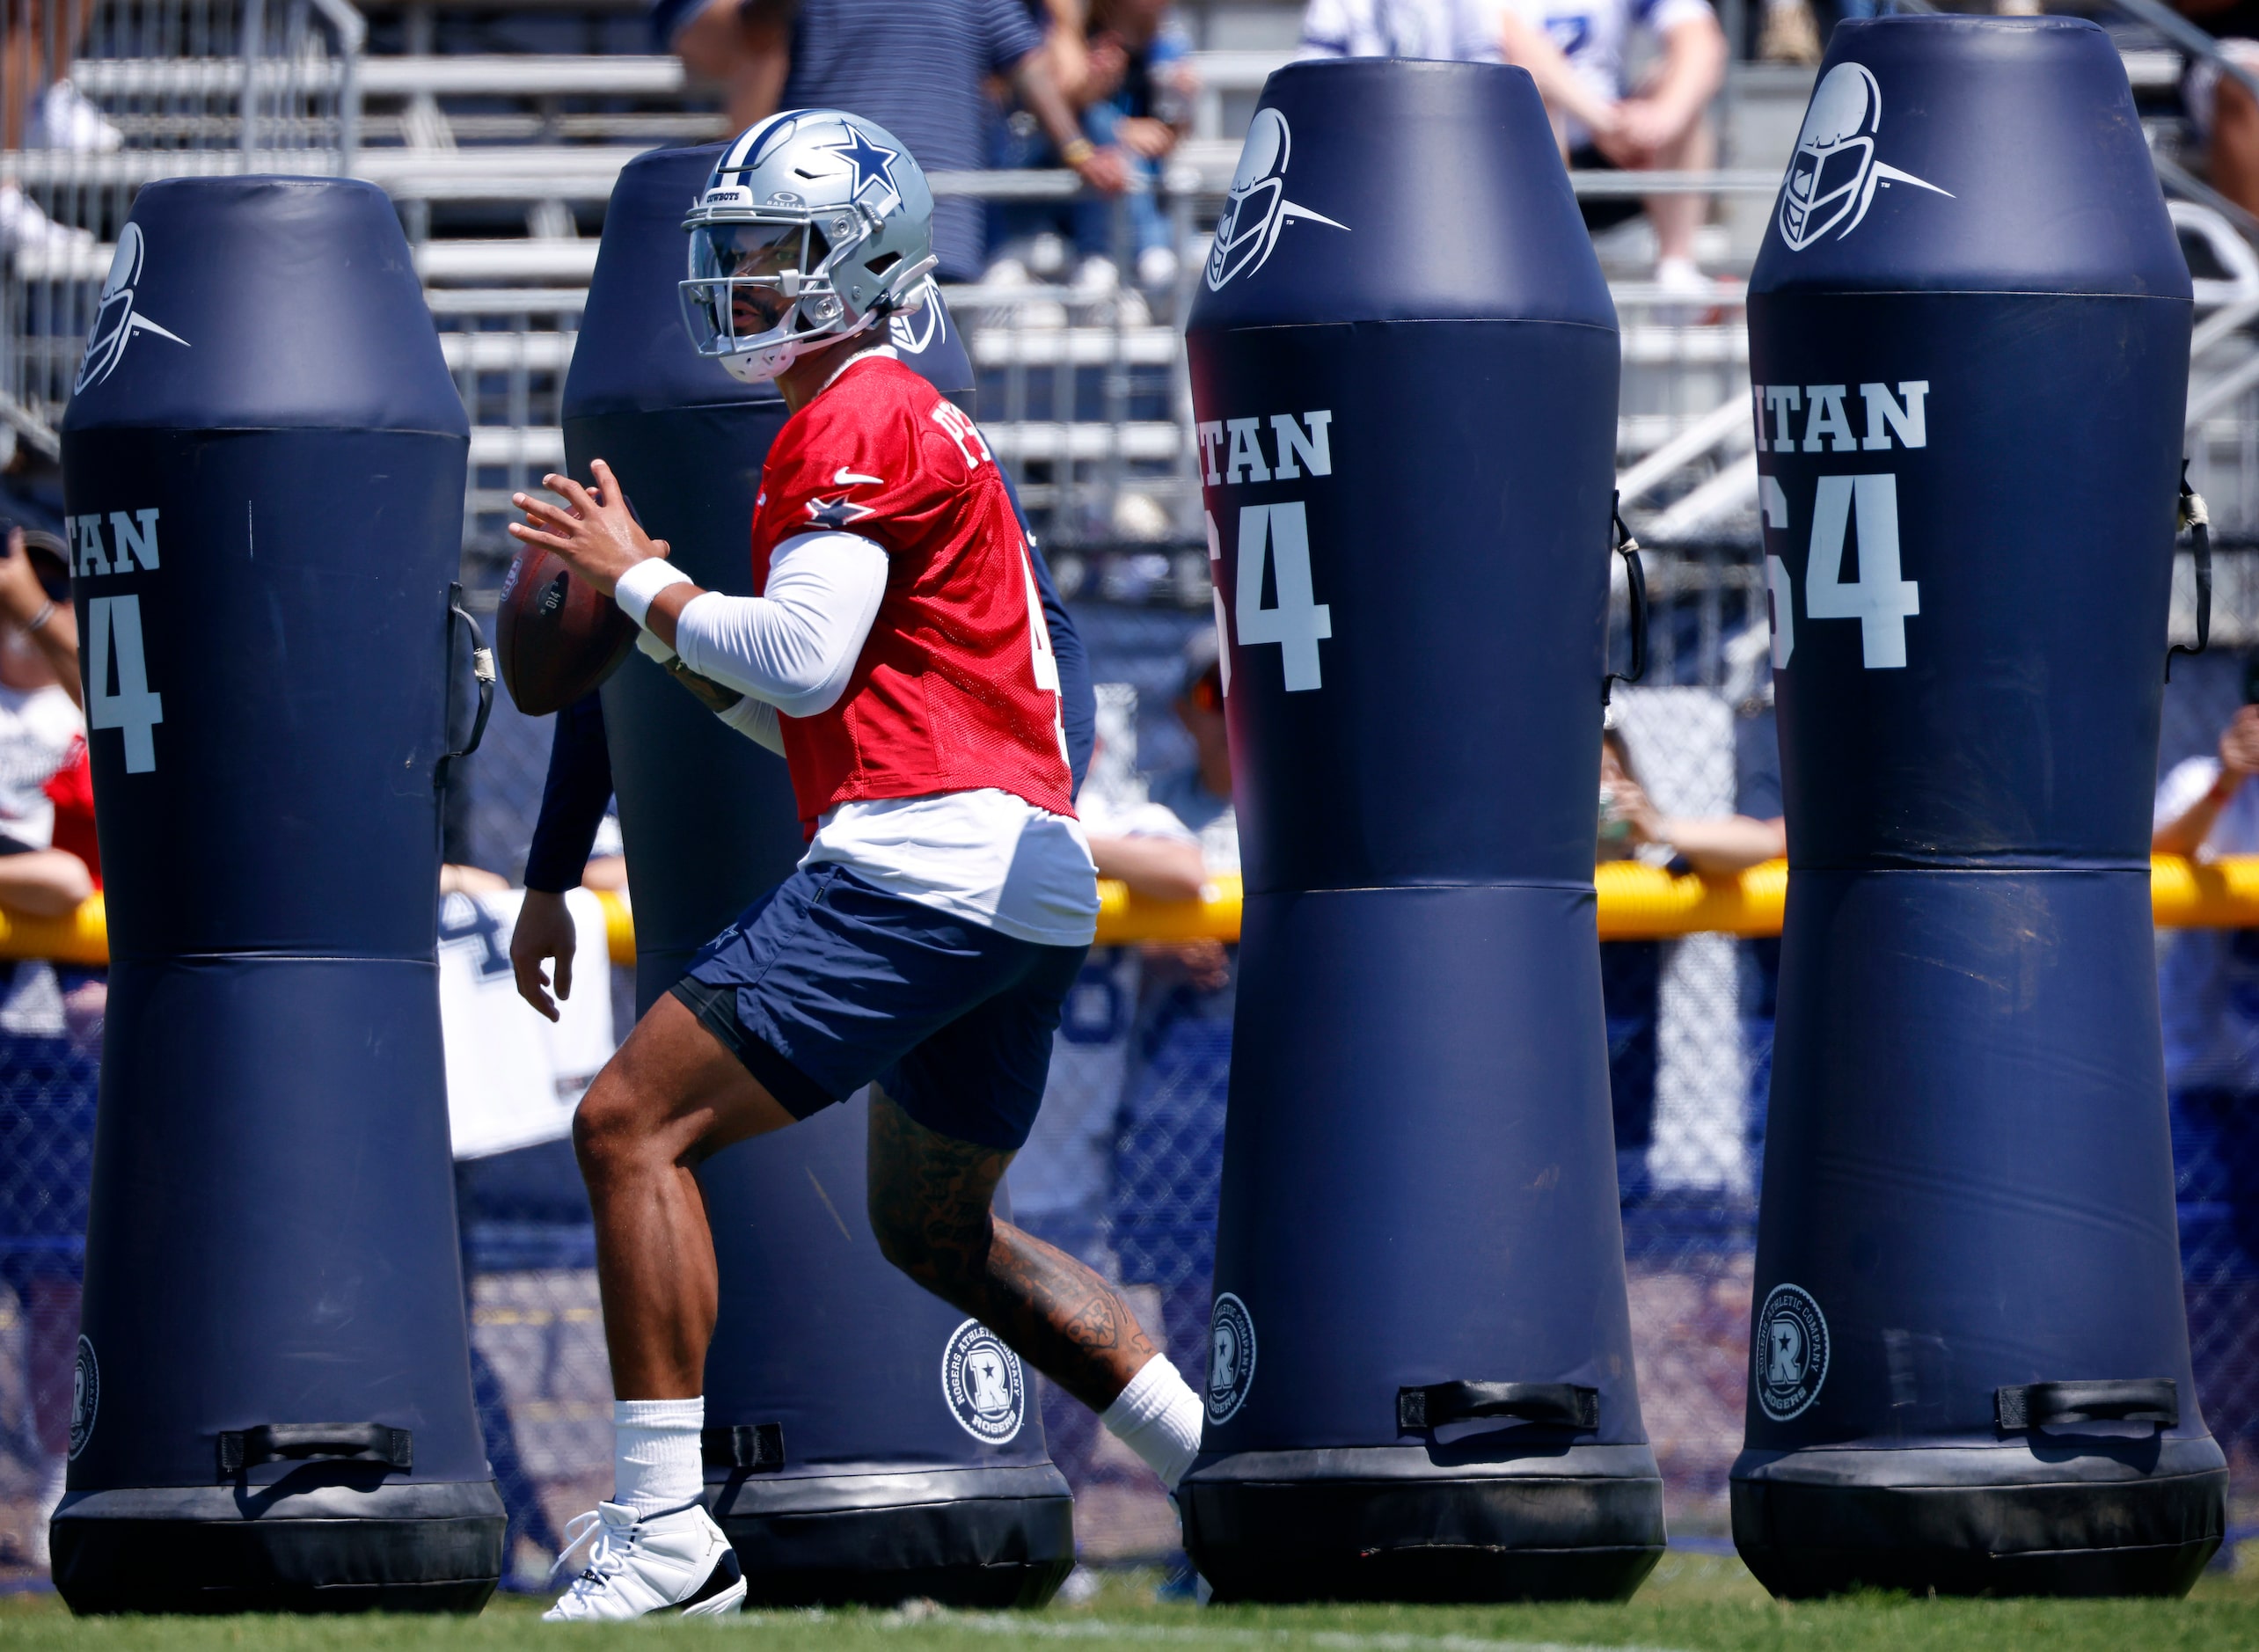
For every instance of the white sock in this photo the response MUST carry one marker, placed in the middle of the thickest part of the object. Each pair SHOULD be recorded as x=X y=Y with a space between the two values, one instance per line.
x=1158 y=1417
x=656 y=1461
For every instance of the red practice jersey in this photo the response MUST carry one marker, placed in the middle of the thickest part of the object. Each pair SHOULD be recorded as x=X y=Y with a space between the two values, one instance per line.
x=955 y=689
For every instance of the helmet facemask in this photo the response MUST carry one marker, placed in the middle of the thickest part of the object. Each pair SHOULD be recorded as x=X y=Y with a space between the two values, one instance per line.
x=761 y=292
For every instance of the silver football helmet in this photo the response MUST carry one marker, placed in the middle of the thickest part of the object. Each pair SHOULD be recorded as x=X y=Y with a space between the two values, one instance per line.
x=814 y=226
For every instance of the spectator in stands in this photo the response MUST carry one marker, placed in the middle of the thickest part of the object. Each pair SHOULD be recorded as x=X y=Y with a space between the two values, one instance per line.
x=1201 y=798
x=40 y=109
x=1719 y=845
x=1576 y=50
x=41 y=729
x=917 y=74
x=50 y=1019
x=1062 y=1181
x=1454 y=31
x=2208 y=987
x=1790 y=32
x=1062 y=1177
x=1169 y=1138
x=1631 y=971
x=1201 y=795
x=1139 y=95
x=1134 y=87
x=2221 y=106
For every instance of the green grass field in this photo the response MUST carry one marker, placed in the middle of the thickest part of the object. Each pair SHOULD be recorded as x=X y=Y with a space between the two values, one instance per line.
x=1692 y=1602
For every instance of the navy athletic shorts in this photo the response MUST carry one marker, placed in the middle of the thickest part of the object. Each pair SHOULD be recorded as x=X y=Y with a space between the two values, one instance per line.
x=827 y=984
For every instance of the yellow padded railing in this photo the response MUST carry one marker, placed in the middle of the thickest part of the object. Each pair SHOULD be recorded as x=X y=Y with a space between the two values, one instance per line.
x=1642 y=903
x=1637 y=902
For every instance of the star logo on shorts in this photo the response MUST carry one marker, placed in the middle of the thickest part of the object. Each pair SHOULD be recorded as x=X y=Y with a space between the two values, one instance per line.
x=874 y=163
x=836 y=513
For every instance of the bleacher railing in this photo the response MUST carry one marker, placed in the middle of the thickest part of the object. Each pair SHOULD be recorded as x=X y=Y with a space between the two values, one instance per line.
x=127 y=92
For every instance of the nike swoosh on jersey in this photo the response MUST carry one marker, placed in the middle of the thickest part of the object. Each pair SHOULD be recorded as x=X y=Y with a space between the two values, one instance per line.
x=843 y=476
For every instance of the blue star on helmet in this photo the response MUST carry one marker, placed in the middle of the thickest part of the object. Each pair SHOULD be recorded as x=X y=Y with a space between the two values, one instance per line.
x=836 y=513
x=874 y=163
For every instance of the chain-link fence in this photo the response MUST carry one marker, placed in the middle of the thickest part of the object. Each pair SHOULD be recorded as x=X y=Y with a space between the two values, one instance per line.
x=1126 y=1168
x=50 y=1044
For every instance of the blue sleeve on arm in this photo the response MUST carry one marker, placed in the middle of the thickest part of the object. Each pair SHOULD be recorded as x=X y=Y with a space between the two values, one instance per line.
x=1077 y=703
x=1011 y=34
x=572 y=799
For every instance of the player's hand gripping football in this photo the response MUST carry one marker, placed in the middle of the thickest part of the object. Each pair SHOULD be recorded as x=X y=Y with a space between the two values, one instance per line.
x=592 y=530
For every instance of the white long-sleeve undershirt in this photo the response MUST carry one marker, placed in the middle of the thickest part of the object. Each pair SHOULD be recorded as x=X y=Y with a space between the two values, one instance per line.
x=794 y=646
x=755 y=720
x=985 y=855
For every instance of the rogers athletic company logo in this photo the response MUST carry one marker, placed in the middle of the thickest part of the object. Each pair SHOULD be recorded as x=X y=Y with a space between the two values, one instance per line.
x=1230 y=1357
x=1833 y=175
x=86 y=1396
x=1256 y=210
x=982 y=1381
x=1789 y=1352
x=117 y=321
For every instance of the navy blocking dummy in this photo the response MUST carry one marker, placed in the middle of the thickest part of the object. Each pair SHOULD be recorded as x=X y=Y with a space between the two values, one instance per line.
x=1404 y=364
x=264 y=468
x=1969 y=333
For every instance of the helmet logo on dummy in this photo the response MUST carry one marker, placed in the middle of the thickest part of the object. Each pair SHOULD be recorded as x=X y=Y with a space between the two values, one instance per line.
x=982 y=1380
x=86 y=1396
x=1833 y=175
x=918 y=326
x=116 y=322
x=1257 y=211
x=1790 y=1352
x=1230 y=1357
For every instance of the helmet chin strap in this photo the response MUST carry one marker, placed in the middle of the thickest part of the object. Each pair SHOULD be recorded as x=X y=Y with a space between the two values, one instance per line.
x=758 y=365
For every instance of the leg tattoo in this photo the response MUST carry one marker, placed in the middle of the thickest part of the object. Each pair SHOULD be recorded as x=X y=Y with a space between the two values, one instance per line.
x=930 y=1197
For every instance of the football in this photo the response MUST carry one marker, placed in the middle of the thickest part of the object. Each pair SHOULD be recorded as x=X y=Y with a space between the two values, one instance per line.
x=556 y=637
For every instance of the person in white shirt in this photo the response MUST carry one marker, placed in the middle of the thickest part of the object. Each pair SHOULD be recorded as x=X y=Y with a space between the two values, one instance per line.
x=1454 y=31
x=1579 y=52
x=2209 y=978
x=2208 y=990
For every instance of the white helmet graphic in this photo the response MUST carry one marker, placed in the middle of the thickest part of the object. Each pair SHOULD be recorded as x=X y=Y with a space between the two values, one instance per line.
x=117 y=321
x=1833 y=175
x=1257 y=209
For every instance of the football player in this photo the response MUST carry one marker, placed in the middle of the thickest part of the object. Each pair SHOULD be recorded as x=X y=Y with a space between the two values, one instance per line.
x=896 y=657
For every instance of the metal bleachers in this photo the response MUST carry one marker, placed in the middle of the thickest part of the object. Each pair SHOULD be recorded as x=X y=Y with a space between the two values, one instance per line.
x=501 y=161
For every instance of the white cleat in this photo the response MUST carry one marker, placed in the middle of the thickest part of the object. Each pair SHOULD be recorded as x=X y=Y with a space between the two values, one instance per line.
x=63 y=119
x=676 y=1563
x=23 y=228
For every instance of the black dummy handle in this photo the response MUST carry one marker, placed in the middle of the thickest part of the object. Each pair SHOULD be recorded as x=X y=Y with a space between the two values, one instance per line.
x=1562 y=1405
x=1635 y=582
x=482 y=668
x=2038 y=1405
x=2198 y=520
x=758 y=1448
x=330 y=1442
